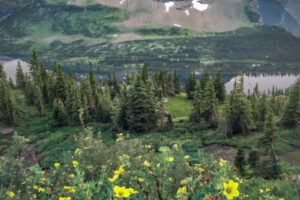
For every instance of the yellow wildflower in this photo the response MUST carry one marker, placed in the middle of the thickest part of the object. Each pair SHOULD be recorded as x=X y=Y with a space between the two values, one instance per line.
x=139 y=157
x=75 y=163
x=141 y=180
x=171 y=159
x=175 y=146
x=186 y=157
x=261 y=191
x=121 y=192
x=181 y=190
x=34 y=196
x=221 y=164
x=120 y=134
x=148 y=146
x=77 y=151
x=146 y=163
x=231 y=189
x=281 y=199
x=170 y=179
x=11 y=194
x=64 y=198
x=267 y=190
x=35 y=187
x=72 y=176
x=120 y=170
x=57 y=165
x=132 y=191
x=114 y=178
x=41 y=190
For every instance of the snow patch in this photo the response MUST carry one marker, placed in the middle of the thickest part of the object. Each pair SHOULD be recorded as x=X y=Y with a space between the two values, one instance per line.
x=199 y=6
x=187 y=12
x=122 y=1
x=169 y=5
x=177 y=25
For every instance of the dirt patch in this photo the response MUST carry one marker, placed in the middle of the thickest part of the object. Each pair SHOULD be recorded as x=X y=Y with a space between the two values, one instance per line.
x=224 y=152
x=30 y=156
x=126 y=37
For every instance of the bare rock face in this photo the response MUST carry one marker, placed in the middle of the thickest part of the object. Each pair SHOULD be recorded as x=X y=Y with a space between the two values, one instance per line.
x=7 y=131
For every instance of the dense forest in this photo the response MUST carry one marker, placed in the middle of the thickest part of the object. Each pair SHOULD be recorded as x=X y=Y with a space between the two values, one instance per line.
x=81 y=163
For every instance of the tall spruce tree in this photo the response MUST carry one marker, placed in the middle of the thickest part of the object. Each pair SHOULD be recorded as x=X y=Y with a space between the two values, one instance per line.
x=190 y=85
x=20 y=77
x=269 y=133
x=8 y=106
x=291 y=112
x=59 y=113
x=238 y=110
x=141 y=115
x=177 y=83
x=2 y=72
x=60 y=84
x=239 y=161
x=219 y=87
x=29 y=92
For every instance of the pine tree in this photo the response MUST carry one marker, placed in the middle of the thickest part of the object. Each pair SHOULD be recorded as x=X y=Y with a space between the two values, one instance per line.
x=20 y=77
x=219 y=87
x=196 y=115
x=190 y=85
x=253 y=159
x=34 y=67
x=59 y=113
x=209 y=111
x=29 y=92
x=121 y=106
x=104 y=107
x=269 y=133
x=141 y=115
x=8 y=106
x=145 y=73
x=291 y=113
x=239 y=160
x=2 y=73
x=262 y=111
x=60 y=85
x=39 y=100
x=177 y=83
x=238 y=108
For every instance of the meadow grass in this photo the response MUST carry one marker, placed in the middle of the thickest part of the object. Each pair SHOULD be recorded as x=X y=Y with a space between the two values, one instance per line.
x=179 y=107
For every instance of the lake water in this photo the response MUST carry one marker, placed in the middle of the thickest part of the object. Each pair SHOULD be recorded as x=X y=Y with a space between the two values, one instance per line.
x=265 y=81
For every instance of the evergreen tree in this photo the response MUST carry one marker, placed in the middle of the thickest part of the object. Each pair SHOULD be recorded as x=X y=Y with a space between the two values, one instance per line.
x=7 y=104
x=145 y=73
x=210 y=104
x=177 y=83
x=239 y=160
x=104 y=107
x=39 y=100
x=20 y=77
x=60 y=85
x=219 y=87
x=253 y=159
x=29 y=92
x=121 y=108
x=238 y=111
x=269 y=133
x=196 y=115
x=262 y=110
x=291 y=113
x=34 y=67
x=190 y=85
x=141 y=115
x=2 y=73
x=59 y=113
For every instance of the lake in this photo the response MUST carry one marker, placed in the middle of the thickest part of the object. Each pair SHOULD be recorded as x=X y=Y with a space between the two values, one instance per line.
x=265 y=81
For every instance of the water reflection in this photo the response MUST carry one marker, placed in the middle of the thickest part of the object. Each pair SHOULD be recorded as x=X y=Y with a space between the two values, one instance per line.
x=265 y=81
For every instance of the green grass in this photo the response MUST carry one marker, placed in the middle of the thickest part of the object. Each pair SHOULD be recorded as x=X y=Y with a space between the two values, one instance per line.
x=179 y=107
